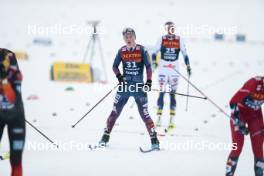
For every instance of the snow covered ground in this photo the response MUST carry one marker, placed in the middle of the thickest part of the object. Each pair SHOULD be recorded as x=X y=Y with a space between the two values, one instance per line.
x=219 y=69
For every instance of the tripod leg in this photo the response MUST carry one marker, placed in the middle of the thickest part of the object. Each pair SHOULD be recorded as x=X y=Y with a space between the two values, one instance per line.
x=92 y=49
x=102 y=57
x=87 y=49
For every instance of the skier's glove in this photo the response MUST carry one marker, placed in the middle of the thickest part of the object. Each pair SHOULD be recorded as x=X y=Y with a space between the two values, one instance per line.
x=147 y=86
x=240 y=126
x=189 y=70
x=120 y=78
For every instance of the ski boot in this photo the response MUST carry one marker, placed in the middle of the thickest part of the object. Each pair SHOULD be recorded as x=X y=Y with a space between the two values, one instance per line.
x=154 y=142
x=259 y=167
x=231 y=166
x=105 y=138
x=172 y=125
x=5 y=156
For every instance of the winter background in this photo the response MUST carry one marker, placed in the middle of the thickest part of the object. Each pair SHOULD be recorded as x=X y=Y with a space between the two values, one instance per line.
x=219 y=69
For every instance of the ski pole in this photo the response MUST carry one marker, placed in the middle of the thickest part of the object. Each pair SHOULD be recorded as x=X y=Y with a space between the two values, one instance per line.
x=35 y=128
x=201 y=92
x=258 y=132
x=108 y=93
x=212 y=102
x=187 y=98
x=192 y=96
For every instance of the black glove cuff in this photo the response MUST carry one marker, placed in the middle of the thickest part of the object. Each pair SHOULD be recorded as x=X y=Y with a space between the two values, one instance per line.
x=118 y=75
x=149 y=81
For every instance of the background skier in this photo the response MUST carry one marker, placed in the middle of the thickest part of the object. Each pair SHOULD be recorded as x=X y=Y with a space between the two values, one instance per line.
x=169 y=46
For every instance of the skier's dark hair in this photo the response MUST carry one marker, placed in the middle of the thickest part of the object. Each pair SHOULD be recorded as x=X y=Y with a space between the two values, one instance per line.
x=169 y=23
x=129 y=30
